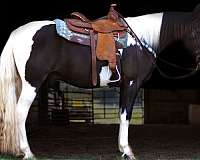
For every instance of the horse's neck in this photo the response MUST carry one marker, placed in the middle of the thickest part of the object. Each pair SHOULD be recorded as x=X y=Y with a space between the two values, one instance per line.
x=173 y=27
x=147 y=28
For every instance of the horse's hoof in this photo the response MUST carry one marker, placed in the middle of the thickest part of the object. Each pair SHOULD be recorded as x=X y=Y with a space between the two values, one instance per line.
x=30 y=158
x=128 y=157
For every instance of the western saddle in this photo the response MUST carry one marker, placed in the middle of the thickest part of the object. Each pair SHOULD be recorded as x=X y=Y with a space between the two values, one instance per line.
x=102 y=32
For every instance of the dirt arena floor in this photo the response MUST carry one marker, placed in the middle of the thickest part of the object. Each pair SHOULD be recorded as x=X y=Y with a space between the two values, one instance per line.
x=99 y=142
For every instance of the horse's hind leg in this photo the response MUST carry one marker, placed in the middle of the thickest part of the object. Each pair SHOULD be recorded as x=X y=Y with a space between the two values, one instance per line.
x=25 y=100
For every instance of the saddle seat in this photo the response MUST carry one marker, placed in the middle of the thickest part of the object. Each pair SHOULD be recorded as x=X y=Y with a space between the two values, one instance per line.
x=103 y=33
x=103 y=25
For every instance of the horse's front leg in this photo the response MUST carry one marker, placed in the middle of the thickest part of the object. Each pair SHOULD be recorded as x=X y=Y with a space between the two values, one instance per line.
x=129 y=89
x=124 y=146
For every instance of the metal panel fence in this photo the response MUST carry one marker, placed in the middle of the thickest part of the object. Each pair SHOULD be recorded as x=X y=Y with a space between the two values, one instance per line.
x=99 y=105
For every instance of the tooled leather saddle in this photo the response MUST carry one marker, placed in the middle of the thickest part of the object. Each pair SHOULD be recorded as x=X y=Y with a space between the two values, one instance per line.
x=103 y=33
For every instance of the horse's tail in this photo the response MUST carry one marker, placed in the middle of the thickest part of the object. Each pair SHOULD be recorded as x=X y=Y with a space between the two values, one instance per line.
x=9 y=138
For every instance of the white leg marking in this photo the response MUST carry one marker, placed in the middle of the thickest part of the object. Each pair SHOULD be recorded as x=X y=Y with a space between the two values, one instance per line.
x=25 y=100
x=123 y=132
x=123 y=136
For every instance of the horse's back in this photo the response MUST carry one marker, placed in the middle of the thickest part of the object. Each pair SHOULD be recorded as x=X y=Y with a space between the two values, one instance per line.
x=30 y=28
x=24 y=34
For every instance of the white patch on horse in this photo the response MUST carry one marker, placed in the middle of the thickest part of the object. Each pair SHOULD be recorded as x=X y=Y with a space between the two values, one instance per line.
x=120 y=51
x=147 y=29
x=131 y=82
x=23 y=42
x=105 y=75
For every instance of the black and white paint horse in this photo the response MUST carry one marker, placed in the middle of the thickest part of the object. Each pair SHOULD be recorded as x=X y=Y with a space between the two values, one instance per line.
x=34 y=52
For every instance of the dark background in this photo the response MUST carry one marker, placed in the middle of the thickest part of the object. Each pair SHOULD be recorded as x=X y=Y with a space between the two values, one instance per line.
x=17 y=13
